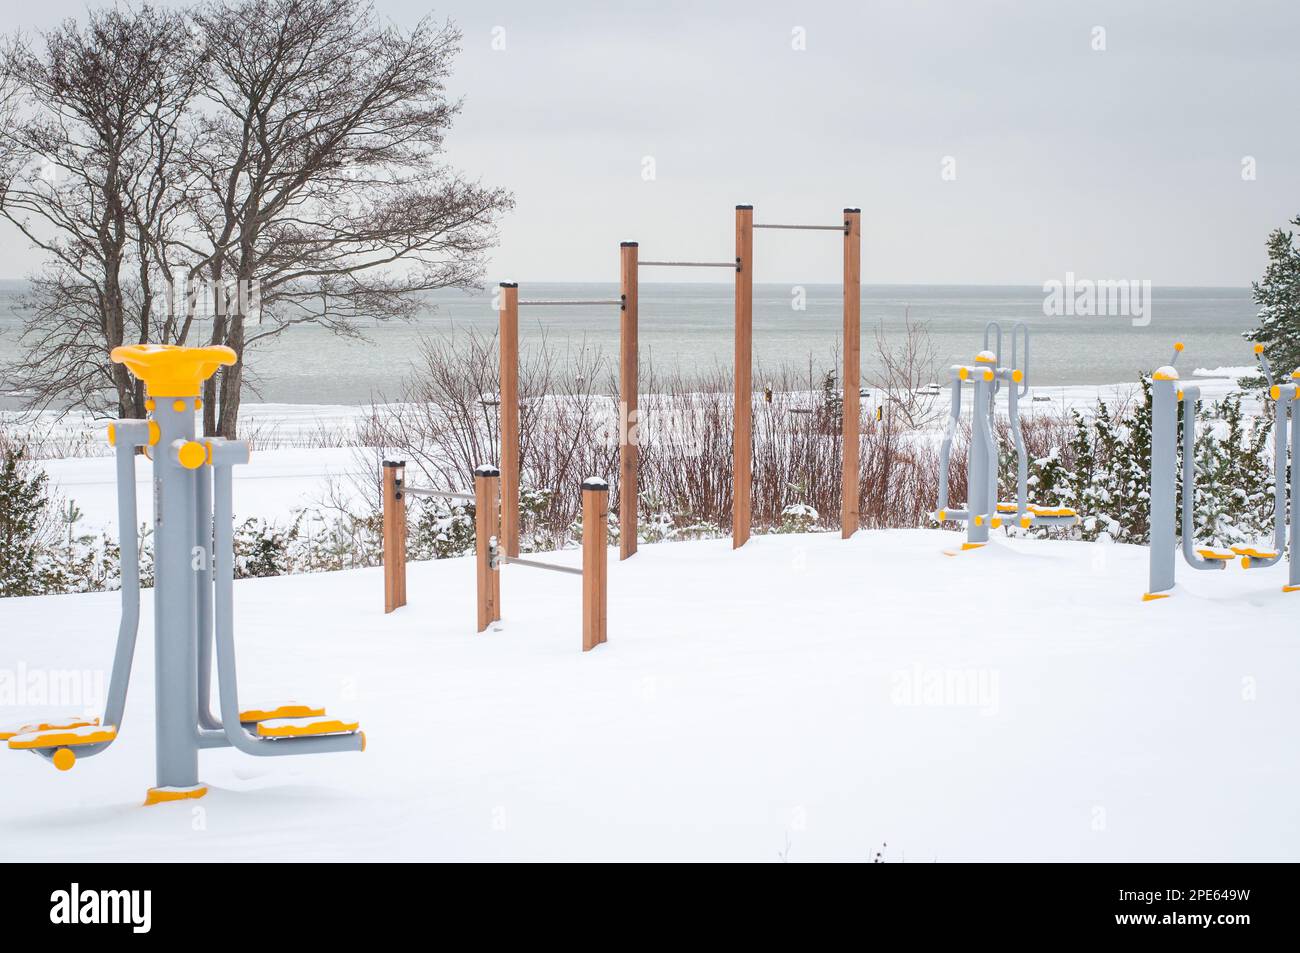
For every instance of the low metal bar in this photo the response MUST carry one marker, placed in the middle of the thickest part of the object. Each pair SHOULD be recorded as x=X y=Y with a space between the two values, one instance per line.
x=544 y=302
x=441 y=494
x=689 y=264
x=808 y=228
x=535 y=564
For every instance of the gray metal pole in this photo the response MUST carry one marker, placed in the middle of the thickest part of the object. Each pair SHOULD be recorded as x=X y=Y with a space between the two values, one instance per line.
x=981 y=447
x=1164 y=439
x=176 y=674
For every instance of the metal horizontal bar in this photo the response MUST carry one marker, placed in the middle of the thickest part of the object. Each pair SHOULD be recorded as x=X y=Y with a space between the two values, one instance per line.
x=689 y=264
x=610 y=301
x=442 y=494
x=535 y=564
x=809 y=228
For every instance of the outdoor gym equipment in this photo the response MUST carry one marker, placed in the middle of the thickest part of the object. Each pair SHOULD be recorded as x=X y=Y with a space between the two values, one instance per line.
x=742 y=439
x=1168 y=393
x=988 y=376
x=193 y=595
x=489 y=556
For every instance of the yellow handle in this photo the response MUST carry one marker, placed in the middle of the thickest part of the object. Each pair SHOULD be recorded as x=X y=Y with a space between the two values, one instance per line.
x=171 y=371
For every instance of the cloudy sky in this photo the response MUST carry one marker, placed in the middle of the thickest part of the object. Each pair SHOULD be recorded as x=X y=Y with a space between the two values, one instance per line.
x=1122 y=162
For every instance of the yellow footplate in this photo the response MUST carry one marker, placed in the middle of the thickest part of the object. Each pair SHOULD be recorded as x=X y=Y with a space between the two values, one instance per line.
x=303 y=727
x=1037 y=510
x=287 y=710
x=1214 y=555
x=1254 y=553
x=63 y=737
x=50 y=725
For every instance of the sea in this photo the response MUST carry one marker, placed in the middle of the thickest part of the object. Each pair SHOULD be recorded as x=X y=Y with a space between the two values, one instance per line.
x=689 y=328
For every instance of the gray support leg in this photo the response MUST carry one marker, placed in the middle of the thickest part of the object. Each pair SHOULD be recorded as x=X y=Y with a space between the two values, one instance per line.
x=1190 y=397
x=176 y=673
x=979 y=492
x=1164 y=440
x=1293 y=563
x=945 y=450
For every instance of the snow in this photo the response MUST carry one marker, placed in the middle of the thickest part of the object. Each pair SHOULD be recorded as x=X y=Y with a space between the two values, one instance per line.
x=272 y=485
x=1015 y=702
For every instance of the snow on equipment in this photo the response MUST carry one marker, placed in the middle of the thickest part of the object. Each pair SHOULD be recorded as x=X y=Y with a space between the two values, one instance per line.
x=982 y=511
x=193 y=595
x=488 y=554
x=1167 y=394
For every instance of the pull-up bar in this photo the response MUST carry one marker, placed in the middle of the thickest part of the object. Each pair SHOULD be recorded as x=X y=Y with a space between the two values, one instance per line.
x=440 y=494
x=689 y=264
x=610 y=302
x=742 y=458
x=538 y=564
x=842 y=229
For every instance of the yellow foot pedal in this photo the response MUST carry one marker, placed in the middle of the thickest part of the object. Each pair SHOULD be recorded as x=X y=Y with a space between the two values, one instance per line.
x=1050 y=510
x=1216 y=555
x=288 y=710
x=304 y=727
x=63 y=737
x=163 y=795
x=56 y=723
x=1008 y=508
x=1254 y=553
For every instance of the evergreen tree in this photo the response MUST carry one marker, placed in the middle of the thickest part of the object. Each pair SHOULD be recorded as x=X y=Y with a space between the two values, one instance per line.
x=25 y=526
x=1278 y=297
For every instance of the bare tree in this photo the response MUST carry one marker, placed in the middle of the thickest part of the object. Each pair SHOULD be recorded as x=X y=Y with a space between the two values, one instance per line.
x=905 y=371
x=282 y=157
x=320 y=189
x=84 y=160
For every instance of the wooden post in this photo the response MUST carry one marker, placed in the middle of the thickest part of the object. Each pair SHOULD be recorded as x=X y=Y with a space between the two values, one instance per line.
x=509 y=349
x=595 y=539
x=394 y=530
x=486 y=529
x=628 y=447
x=742 y=449
x=850 y=486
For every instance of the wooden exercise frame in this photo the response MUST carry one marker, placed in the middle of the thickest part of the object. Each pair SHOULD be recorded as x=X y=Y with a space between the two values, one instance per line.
x=742 y=460
x=488 y=554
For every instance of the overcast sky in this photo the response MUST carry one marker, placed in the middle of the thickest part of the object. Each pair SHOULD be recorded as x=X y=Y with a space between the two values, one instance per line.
x=1122 y=163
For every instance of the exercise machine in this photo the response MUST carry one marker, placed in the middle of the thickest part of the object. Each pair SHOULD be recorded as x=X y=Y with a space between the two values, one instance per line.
x=1168 y=394
x=193 y=595
x=988 y=376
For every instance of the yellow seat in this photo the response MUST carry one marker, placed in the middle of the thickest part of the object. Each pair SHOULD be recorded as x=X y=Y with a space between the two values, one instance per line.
x=288 y=710
x=7 y=733
x=63 y=737
x=304 y=727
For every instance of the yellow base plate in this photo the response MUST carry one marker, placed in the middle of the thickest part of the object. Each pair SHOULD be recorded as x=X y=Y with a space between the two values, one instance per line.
x=965 y=548
x=164 y=795
x=1153 y=596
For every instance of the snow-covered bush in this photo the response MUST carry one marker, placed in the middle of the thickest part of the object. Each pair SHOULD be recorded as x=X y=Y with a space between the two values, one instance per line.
x=798 y=518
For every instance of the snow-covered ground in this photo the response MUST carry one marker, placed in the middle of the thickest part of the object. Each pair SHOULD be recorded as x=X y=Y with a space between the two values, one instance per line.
x=804 y=695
